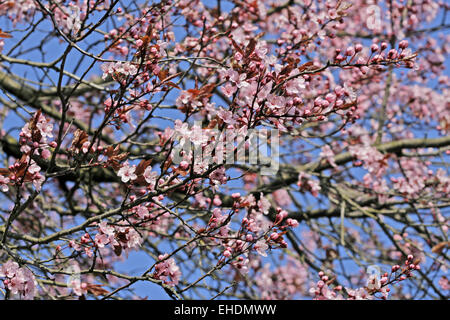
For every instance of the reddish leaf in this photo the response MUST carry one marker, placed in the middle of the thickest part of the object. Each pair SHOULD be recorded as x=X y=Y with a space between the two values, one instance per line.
x=122 y=156
x=4 y=172
x=34 y=120
x=181 y=171
x=167 y=164
x=171 y=84
x=142 y=166
x=250 y=47
x=79 y=138
x=440 y=247
x=236 y=46
x=162 y=74
x=305 y=66
x=145 y=39
x=96 y=289
x=194 y=92
x=121 y=236
x=118 y=250
x=4 y=34
x=208 y=88
x=173 y=76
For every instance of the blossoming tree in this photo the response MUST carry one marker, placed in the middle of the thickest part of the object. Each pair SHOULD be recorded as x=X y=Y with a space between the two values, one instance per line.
x=130 y=167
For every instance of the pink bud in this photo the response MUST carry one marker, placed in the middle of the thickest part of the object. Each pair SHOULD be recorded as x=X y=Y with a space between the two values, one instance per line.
x=339 y=91
x=292 y=222
x=374 y=47
x=330 y=97
x=339 y=57
x=350 y=51
x=45 y=154
x=184 y=165
x=274 y=236
x=364 y=69
x=217 y=202
x=403 y=44
x=392 y=54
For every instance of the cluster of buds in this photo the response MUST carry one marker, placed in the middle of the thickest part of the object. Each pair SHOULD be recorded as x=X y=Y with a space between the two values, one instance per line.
x=376 y=284
x=379 y=55
x=277 y=238
x=400 y=54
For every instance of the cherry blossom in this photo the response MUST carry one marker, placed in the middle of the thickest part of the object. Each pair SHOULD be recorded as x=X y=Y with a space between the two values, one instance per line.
x=261 y=247
x=167 y=270
x=130 y=129
x=4 y=183
x=126 y=172
x=19 y=280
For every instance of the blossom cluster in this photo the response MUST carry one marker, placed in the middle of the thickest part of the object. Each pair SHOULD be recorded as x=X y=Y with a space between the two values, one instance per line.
x=377 y=285
x=18 y=280
x=167 y=270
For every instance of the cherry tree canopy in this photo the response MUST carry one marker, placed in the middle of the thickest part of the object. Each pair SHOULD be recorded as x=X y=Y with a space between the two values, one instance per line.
x=243 y=149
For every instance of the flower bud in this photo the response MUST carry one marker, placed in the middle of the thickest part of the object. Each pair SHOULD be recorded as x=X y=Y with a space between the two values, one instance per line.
x=350 y=51
x=403 y=44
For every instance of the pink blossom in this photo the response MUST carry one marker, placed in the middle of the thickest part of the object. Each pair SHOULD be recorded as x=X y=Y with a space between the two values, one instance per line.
x=218 y=176
x=444 y=283
x=126 y=172
x=4 y=183
x=226 y=116
x=78 y=287
x=122 y=68
x=261 y=247
x=167 y=271
x=328 y=154
x=38 y=180
x=228 y=89
x=46 y=154
x=295 y=86
x=134 y=239
x=150 y=176
x=33 y=168
x=19 y=281
x=264 y=204
x=9 y=269
x=305 y=182
x=105 y=236
x=142 y=212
